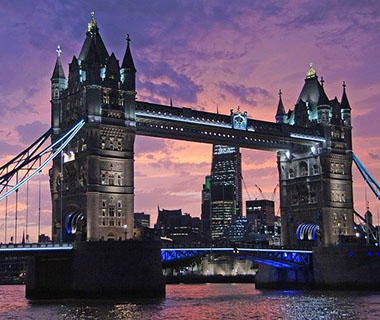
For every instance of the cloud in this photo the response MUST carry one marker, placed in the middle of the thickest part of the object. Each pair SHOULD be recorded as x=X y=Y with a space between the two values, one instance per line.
x=31 y=131
x=247 y=95
x=163 y=81
x=9 y=149
x=374 y=156
x=367 y=124
x=149 y=145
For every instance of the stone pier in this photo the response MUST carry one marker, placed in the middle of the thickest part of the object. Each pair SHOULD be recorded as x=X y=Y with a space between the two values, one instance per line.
x=343 y=267
x=97 y=270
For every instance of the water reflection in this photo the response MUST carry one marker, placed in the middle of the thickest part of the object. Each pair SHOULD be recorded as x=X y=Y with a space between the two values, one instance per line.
x=198 y=302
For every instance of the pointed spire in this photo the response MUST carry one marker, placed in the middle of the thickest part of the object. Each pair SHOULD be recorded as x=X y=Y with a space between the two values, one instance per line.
x=171 y=102
x=58 y=72
x=280 y=107
x=344 y=102
x=323 y=100
x=128 y=64
x=94 y=40
x=281 y=116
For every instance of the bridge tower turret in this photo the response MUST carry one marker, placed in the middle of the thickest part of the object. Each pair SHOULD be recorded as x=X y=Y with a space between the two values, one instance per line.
x=316 y=183
x=58 y=85
x=281 y=116
x=93 y=181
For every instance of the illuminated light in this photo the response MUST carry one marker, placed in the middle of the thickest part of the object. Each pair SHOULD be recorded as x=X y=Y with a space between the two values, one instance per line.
x=67 y=157
x=307 y=137
x=314 y=150
x=35 y=249
x=288 y=154
x=351 y=254
x=369 y=253
x=187 y=120
x=357 y=234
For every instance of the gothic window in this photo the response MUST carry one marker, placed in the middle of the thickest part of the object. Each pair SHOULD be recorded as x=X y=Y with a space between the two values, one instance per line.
x=111 y=143
x=103 y=177
x=315 y=169
x=111 y=179
x=119 y=213
x=291 y=173
x=103 y=212
x=119 y=180
x=103 y=142
x=56 y=93
x=303 y=169
x=111 y=210
x=121 y=101
x=119 y=145
x=104 y=204
x=84 y=145
x=106 y=99
x=119 y=204
x=112 y=223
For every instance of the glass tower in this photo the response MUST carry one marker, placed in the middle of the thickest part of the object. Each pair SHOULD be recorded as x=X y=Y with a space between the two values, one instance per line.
x=226 y=194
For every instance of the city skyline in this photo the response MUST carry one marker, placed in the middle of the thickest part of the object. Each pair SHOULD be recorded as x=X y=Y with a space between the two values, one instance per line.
x=214 y=65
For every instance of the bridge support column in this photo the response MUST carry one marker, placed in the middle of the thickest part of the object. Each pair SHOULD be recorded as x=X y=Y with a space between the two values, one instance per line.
x=97 y=270
x=269 y=277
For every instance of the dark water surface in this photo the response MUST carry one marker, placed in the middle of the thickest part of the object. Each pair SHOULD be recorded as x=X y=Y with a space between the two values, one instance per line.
x=198 y=302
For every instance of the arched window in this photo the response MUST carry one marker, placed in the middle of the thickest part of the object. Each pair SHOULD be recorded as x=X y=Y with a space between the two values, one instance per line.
x=291 y=173
x=303 y=169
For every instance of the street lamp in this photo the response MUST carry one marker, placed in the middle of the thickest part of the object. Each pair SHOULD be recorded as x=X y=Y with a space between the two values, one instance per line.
x=125 y=232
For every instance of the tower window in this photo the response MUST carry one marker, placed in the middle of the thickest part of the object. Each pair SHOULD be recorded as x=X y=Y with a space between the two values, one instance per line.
x=303 y=169
x=111 y=211
x=111 y=180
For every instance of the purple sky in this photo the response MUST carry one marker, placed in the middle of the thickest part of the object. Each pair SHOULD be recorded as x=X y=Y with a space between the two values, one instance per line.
x=202 y=54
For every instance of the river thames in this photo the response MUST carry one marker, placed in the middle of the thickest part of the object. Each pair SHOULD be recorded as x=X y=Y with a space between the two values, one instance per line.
x=198 y=302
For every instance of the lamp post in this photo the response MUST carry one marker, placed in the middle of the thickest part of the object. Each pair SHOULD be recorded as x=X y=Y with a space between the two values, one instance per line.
x=125 y=232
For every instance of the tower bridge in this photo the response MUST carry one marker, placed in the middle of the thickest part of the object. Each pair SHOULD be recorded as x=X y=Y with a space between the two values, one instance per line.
x=94 y=120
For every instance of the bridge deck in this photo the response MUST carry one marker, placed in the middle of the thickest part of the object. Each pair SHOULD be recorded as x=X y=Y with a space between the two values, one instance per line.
x=199 y=126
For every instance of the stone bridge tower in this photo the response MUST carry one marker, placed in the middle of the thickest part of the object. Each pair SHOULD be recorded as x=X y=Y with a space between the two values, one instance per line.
x=316 y=196
x=92 y=185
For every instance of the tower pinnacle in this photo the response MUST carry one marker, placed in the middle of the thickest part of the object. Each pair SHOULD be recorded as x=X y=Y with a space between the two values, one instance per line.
x=311 y=73
x=58 y=50
x=128 y=39
x=280 y=114
x=92 y=23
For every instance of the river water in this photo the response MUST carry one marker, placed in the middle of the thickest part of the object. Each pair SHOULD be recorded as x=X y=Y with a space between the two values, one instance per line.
x=198 y=302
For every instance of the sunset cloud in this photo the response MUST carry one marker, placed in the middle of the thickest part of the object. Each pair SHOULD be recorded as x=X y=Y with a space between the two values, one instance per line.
x=201 y=54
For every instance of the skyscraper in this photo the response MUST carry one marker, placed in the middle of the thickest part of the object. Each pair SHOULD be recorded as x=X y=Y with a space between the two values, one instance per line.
x=226 y=195
x=206 y=209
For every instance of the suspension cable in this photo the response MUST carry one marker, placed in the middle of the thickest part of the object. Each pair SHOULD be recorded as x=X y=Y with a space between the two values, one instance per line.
x=39 y=204
x=27 y=210
x=16 y=211
x=6 y=216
